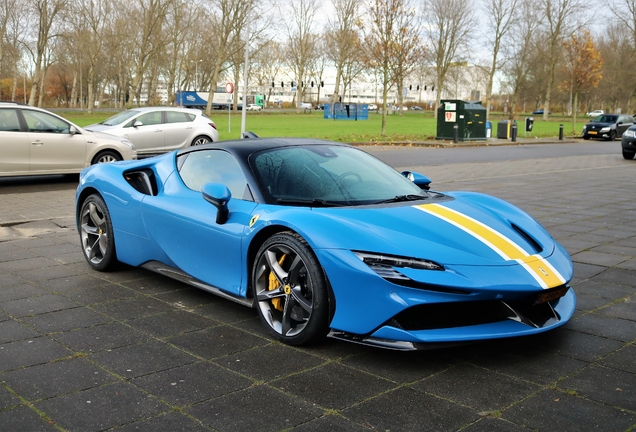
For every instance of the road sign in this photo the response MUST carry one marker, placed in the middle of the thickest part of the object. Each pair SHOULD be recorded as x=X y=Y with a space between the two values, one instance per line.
x=229 y=88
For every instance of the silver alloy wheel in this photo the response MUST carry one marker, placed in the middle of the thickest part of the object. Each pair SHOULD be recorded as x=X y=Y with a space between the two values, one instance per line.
x=106 y=159
x=200 y=141
x=284 y=290
x=94 y=233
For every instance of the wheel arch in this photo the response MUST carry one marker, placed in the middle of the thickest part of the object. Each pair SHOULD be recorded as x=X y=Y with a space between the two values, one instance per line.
x=79 y=202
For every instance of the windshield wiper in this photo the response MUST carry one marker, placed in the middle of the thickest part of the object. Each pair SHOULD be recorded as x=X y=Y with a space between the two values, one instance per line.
x=310 y=203
x=403 y=198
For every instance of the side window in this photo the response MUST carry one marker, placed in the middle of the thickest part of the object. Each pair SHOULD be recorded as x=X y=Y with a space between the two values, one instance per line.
x=44 y=123
x=9 y=120
x=214 y=166
x=177 y=117
x=148 y=119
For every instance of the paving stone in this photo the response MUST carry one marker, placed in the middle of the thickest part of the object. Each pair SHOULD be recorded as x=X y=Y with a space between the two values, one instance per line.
x=20 y=291
x=11 y=330
x=101 y=408
x=609 y=386
x=65 y=320
x=551 y=410
x=603 y=289
x=217 y=341
x=76 y=281
x=37 y=305
x=30 y=352
x=170 y=422
x=7 y=399
x=134 y=307
x=490 y=424
x=269 y=362
x=56 y=378
x=625 y=309
x=586 y=303
x=477 y=388
x=225 y=311
x=574 y=344
x=618 y=276
x=25 y=419
x=604 y=326
x=586 y=271
x=622 y=359
x=151 y=283
x=598 y=258
x=187 y=297
x=172 y=323
x=54 y=272
x=137 y=360
x=331 y=423
x=333 y=386
x=37 y=262
x=101 y=337
x=409 y=410
x=251 y=409
x=192 y=383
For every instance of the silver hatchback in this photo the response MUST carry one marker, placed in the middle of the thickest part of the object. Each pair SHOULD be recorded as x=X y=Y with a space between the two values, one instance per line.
x=34 y=141
x=160 y=129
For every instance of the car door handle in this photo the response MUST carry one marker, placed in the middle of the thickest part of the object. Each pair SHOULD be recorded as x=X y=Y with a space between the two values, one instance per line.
x=158 y=130
x=37 y=143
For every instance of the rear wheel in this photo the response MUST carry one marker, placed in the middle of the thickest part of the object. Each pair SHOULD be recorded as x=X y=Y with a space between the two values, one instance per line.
x=200 y=140
x=106 y=157
x=291 y=290
x=96 y=234
x=628 y=155
x=612 y=135
x=586 y=137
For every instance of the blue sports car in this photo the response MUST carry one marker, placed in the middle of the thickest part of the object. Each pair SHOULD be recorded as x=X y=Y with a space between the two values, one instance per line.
x=323 y=239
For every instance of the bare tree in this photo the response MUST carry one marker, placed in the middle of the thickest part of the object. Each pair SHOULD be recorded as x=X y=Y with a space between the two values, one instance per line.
x=558 y=24
x=501 y=14
x=47 y=13
x=342 y=37
x=301 y=41
x=230 y=17
x=379 y=29
x=268 y=59
x=449 y=24
x=182 y=17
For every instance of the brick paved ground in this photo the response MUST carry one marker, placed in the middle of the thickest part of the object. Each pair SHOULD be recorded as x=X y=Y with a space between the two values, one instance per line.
x=129 y=350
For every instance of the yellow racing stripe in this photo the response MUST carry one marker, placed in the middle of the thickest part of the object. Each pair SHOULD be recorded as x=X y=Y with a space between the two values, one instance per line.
x=540 y=269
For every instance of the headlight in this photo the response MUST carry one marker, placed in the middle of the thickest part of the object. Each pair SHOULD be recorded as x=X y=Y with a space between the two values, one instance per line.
x=605 y=129
x=128 y=143
x=629 y=133
x=378 y=260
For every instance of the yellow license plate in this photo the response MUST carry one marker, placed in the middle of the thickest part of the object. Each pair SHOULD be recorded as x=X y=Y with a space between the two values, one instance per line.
x=592 y=132
x=551 y=295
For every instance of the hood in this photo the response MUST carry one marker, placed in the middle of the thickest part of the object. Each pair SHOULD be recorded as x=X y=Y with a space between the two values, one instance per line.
x=471 y=229
x=97 y=127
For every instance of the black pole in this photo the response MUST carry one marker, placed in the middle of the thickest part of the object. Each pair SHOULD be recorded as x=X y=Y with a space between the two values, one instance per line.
x=560 y=132
x=455 y=133
x=513 y=133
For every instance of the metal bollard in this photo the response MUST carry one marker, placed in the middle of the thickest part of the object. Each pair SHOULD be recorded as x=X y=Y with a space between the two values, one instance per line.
x=513 y=132
x=560 y=132
x=455 y=133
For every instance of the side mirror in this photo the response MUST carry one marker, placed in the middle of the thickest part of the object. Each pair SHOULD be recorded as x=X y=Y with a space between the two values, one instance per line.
x=137 y=123
x=73 y=130
x=218 y=195
x=419 y=179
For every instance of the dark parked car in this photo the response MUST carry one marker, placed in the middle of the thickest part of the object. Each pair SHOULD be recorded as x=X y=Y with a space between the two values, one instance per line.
x=607 y=126
x=628 y=142
x=540 y=112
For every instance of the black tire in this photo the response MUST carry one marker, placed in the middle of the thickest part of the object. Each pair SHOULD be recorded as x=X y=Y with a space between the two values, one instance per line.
x=612 y=136
x=106 y=156
x=200 y=140
x=586 y=137
x=628 y=155
x=96 y=234
x=290 y=290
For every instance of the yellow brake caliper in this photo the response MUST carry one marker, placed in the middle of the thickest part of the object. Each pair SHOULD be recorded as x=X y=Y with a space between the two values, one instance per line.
x=274 y=284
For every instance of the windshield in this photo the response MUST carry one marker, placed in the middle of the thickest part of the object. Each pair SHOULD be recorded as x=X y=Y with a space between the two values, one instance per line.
x=327 y=174
x=119 y=118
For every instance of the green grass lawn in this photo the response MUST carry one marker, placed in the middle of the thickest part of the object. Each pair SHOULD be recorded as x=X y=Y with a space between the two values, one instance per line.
x=409 y=127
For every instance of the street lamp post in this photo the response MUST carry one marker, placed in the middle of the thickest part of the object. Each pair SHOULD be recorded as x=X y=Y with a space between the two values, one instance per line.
x=196 y=73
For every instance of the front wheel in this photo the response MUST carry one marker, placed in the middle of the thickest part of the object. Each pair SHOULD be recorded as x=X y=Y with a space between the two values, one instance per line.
x=291 y=290
x=586 y=137
x=612 y=136
x=96 y=234
x=106 y=157
x=200 y=140
x=628 y=155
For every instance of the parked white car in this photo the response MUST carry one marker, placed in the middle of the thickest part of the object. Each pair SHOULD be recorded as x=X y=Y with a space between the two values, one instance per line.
x=253 y=107
x=595 y=113
x=305 y=105
x=160 y=129
x=35 y=142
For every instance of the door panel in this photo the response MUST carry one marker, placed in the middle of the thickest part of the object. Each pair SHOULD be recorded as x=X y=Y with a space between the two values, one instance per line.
x=148 y=138
x=178 y=130
x=14 y=144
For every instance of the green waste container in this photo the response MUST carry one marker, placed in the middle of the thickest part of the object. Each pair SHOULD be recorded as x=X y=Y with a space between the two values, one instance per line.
x=470 y=117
